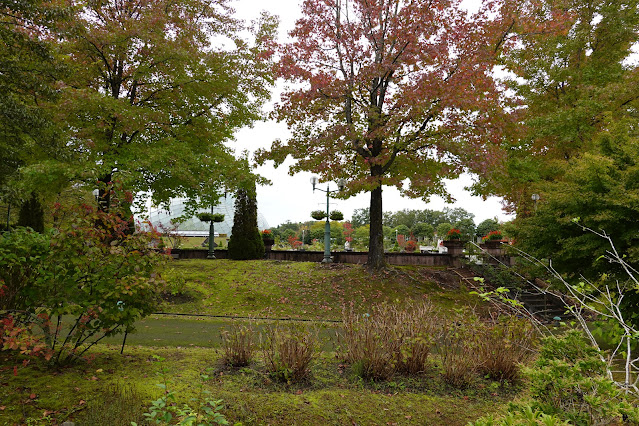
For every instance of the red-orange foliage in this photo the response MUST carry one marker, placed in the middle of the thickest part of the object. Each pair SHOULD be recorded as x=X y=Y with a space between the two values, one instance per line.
x=388 y=91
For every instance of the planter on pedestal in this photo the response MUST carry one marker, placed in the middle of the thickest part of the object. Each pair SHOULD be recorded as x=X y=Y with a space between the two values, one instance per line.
x=268 y=243
x=493 y=247
x=455 y=247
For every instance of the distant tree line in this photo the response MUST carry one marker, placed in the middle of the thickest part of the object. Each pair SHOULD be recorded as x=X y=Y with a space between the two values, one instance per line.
x=421 y=225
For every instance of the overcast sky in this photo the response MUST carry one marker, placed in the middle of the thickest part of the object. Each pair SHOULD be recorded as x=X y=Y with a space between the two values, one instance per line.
x=291 y=198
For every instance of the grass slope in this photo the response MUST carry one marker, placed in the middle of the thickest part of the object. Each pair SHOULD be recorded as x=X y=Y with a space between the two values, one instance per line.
x=114 y=389
x=302 y=290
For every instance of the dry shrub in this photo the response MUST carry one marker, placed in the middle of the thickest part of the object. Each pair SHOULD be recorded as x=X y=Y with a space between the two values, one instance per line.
x=238 y=345
x=389 y=340
x=502 y=347
x=288 y=352
x=456 y=349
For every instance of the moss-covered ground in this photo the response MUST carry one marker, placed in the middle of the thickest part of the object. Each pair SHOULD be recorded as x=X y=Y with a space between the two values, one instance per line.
x=302 y=290
x=114 y=389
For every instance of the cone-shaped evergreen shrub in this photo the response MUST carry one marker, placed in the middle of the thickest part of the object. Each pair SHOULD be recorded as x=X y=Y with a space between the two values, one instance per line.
x=246 y=240
x=31 y=214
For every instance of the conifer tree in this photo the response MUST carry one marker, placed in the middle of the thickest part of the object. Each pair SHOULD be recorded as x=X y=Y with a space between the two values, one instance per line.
x=246 y=241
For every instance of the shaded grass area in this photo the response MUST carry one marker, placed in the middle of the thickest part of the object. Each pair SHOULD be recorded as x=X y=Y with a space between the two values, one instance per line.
x=184 y=332
x=301 y=290
x=95 y=392
x=114 y=389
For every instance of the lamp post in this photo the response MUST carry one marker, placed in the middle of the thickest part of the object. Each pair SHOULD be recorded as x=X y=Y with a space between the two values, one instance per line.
x=535 y=198
x=327 y=227
x=211 y=254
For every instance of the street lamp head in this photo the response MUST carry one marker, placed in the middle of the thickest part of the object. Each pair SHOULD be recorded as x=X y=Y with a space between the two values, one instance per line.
x=341 y=184
x=96 y=193
x=314 y=181
x=535 y=197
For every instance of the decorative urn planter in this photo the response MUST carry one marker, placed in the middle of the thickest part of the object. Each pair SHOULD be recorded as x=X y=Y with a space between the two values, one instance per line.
x=455 y=247
x=268 y=243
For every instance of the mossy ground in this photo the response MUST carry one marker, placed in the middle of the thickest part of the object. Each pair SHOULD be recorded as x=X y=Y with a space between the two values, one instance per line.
x=333 y=395
x=113 y=389
x=303 y=290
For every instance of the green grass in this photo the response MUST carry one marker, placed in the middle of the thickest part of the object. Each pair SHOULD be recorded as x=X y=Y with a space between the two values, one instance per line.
x=113 y=389
x=302 y=290
x=332 y=396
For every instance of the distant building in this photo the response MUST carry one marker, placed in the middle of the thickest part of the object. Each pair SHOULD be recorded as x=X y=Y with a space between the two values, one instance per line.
x=194 y=227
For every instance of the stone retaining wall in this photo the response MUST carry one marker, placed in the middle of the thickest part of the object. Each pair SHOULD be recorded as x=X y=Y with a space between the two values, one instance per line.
x=429 y=259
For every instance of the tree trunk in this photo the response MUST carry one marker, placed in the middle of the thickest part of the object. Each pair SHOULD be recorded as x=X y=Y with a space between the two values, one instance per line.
x=376 y=259
x=104 y=196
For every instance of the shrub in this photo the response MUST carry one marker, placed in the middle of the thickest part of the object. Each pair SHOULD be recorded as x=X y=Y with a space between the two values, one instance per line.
x=502 y=347
x=389 y=340
x=288 y=352
x=521 y=416
x=456 y=349
x=89 y=268
x=238 y=345
x=203 y=410
x=568 y=380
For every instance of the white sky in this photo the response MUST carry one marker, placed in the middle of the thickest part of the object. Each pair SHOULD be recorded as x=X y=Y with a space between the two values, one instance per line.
x=291 y=198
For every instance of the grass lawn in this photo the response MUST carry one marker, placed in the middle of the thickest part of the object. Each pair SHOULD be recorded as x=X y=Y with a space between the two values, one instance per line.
x=303 y=290
x=114 y=389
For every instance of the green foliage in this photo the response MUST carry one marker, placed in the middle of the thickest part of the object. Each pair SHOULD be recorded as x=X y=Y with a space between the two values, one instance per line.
x=454 y=234
x=521 y=416
x=161 y=100
x=246 y=241
x=318 y=214
x=102 y=276
x=423 y=230
x=336 y=215
x=442 y=230
x=402 y=230
x=569 y=381
x=467 y=228
x=31 y=69
x=486 y=226
x=361 y=217
x=166 y=411
x=31 y=214
x=211 y=217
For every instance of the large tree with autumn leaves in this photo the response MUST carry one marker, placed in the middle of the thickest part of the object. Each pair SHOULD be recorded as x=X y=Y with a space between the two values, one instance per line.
x=389 y=93
x=157 y=87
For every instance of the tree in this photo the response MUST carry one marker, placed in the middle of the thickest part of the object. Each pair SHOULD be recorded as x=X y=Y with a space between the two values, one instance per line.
x=467 y=228
x=246 y=241
x=30 y=68
x=423 y=230
x=361 y=217
x=387 y=91
x=571 y=73
x=152 y=101
x=402 y=230
x=442 y=229
x=486 y=226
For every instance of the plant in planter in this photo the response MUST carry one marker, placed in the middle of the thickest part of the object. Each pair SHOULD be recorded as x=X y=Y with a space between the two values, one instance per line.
x=336 y=215
x=493 y=236
x=211 y=217
x=318 y=214
x=454 y=234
